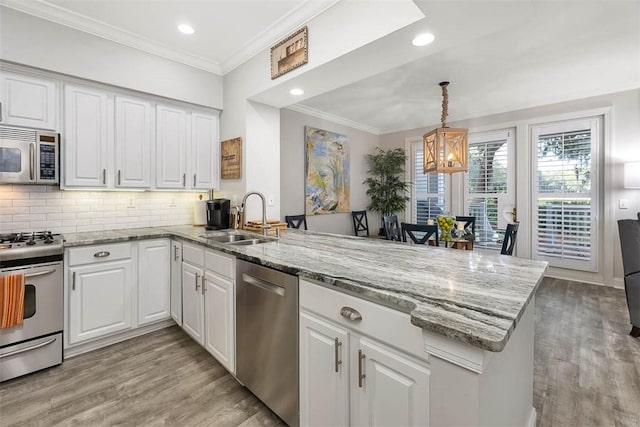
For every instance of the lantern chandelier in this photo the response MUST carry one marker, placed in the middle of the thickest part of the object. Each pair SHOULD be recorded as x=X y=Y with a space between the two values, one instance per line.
x=445 y=149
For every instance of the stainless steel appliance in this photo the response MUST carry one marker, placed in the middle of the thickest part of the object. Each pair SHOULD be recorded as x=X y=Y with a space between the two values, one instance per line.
x=218 y=214
x=267 y=337
x=37 y=343
x=29 y=156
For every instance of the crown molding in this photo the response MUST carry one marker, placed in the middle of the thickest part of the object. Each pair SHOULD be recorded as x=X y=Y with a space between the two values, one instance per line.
x=332 y=118
x=276 y=31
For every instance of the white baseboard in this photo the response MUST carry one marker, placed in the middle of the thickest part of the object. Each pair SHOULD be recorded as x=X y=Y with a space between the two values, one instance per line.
x=113 y=339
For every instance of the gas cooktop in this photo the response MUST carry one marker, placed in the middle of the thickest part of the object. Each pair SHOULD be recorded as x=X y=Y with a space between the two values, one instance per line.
x=32 y=244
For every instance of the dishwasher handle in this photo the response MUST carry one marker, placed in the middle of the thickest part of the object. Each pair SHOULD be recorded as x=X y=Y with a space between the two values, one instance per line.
x=263 y=284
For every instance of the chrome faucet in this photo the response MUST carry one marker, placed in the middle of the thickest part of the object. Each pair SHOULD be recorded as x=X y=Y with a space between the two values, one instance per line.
x=265 y=226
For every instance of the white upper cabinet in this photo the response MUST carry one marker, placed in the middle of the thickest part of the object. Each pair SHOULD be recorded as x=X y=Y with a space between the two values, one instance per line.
x=132 y=143
x=85 y=137
x=27 y=101
x=204 y=151
x=171 y=147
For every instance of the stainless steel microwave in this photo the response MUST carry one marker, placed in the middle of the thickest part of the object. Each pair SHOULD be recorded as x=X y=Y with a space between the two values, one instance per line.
x=29 y=156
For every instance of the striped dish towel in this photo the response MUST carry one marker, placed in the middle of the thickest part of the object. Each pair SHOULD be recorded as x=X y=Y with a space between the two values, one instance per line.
x=11 y=300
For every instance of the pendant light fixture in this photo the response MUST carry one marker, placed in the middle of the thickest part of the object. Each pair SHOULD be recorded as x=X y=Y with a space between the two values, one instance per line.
x=446 y=149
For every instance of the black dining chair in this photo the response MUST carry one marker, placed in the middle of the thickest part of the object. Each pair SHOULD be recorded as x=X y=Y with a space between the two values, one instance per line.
x=411 y=229
x=360 y=222
x=295 y=221
x=469 y=223
x=509 y=239
x=391 y=228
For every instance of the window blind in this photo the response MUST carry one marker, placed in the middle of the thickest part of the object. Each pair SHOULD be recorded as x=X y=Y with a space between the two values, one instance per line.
x=429 y=190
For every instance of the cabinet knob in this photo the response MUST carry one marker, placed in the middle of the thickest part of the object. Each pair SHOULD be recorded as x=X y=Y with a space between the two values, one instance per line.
x=102 y=254
x=350 y=314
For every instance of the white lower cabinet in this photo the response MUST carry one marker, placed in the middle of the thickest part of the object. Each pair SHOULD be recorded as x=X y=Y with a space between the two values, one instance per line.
x=218 y=318
x=154 y=273
x=348 y=375
x=193 y=302
x=176 y=281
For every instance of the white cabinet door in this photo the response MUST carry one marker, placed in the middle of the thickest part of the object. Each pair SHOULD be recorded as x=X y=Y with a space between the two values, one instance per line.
x=154 y=274
x=192 y=302
x=394 y=389
x=100 y=300
x=171 y=145
x=85 y=137
x=324 y=373
x=219 y=319
x=204 y=172
x=27 y=101
x=133 y=143
x=176 y=281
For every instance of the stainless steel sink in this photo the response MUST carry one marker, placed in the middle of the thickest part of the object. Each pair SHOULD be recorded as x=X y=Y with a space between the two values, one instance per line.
x=235 y=238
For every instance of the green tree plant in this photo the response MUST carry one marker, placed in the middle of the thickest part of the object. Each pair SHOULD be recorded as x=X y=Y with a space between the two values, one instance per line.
x=387 y=192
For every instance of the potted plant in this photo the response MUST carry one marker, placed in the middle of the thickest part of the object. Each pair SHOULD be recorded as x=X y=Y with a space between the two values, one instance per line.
x=387 y=192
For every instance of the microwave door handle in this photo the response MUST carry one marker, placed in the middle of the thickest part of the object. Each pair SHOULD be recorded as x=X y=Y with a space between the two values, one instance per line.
x=32 y=161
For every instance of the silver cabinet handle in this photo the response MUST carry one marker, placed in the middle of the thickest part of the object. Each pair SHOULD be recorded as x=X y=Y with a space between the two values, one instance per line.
x=361 y=374
x=22 y=350
x=119 y=179
x=184 y=179
x=194 y=180
x=197 y=281
x=336 y=349
x=41 y=273
x=0 y=111
x=176 y=257
x=203 y=287
x=73 y=281
x=32 y=161
x=104 y=176
x=350 y=313
x=263 y=284
x=101 y=254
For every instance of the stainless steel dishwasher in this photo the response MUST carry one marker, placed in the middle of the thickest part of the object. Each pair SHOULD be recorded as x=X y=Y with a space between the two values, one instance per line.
x=267 y=337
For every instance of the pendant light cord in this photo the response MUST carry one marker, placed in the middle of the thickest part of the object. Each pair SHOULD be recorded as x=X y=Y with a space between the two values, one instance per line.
x=445 y=103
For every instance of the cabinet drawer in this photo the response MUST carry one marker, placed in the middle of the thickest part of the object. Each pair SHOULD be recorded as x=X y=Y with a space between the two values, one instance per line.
x=193 y=254
x=98 y=253
x=390 y=326
x=220 y=263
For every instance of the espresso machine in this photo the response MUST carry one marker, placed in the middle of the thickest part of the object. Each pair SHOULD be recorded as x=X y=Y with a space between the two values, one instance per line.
x=218 y=211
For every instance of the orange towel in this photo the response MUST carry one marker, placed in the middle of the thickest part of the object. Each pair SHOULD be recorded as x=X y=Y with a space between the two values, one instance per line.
x=11 y=300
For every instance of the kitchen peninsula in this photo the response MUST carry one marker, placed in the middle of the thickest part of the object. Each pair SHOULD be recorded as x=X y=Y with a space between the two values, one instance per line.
x=466 y=319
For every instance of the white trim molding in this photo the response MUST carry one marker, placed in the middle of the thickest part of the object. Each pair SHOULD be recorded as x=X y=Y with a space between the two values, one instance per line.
x=332 y=118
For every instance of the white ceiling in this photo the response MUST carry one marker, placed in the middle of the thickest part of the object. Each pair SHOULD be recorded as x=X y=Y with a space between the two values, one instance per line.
x=498 y=55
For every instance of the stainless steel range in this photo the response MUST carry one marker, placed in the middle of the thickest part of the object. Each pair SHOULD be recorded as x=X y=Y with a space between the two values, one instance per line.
x=37 y=343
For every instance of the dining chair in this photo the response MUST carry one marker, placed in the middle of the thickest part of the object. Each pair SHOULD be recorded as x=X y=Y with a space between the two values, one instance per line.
x=469 y=222
x=295 y=221
x=509 y=239
x=411 y=229
x=391 y=228
x=629 y=230
x=360 y=222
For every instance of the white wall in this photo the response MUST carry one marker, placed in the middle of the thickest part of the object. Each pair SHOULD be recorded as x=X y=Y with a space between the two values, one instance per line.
x=28 y=40
x=292 y=173
x=37 y=208
x=622 y=143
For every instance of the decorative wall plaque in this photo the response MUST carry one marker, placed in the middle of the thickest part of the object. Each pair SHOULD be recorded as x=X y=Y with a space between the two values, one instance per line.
x=290 y=53
x=231 y=159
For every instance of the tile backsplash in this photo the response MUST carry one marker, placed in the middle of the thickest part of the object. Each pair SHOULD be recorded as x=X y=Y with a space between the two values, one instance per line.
x=36 y=208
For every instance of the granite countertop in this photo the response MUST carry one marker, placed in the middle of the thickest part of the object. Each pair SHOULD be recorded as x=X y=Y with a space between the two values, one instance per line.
x=474 y=297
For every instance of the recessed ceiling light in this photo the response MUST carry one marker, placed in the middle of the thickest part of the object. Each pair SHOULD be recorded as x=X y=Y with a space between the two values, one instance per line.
x=423 y=39
x=296 y=91
x=186 y=29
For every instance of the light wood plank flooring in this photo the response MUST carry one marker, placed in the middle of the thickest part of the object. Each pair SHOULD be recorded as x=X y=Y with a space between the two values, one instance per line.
x=587 y=373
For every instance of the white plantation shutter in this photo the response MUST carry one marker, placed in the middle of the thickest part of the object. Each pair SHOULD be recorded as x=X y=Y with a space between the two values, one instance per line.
x=428 y=190
x=565 y=232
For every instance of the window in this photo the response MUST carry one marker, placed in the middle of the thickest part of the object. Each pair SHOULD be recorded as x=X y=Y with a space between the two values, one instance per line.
x=566 y=202
x=490 y=186
x=428 y=190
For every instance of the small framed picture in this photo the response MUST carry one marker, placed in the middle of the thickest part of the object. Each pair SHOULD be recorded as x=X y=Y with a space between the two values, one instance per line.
x=231 y=159
x=290 y=53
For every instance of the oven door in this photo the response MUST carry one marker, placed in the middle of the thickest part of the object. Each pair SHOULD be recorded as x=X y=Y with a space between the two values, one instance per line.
x=17 y=161
x=43 y=303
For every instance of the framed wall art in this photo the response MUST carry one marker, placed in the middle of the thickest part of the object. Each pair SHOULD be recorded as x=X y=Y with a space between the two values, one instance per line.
x=327 y=187
x=231 y=159
x=290 y=53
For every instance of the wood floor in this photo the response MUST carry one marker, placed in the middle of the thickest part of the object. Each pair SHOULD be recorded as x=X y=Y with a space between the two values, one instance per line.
x=587 y=373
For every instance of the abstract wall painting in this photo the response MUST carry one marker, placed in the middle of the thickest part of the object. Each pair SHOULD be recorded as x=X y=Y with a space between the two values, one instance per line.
x=327 y=187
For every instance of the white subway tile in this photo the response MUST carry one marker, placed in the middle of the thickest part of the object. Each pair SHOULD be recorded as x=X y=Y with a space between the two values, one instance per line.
x=29 y=202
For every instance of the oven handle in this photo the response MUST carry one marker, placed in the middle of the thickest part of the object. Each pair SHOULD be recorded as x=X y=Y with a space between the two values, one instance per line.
x=32 y=161
x=40 y=273
x=22 y=350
